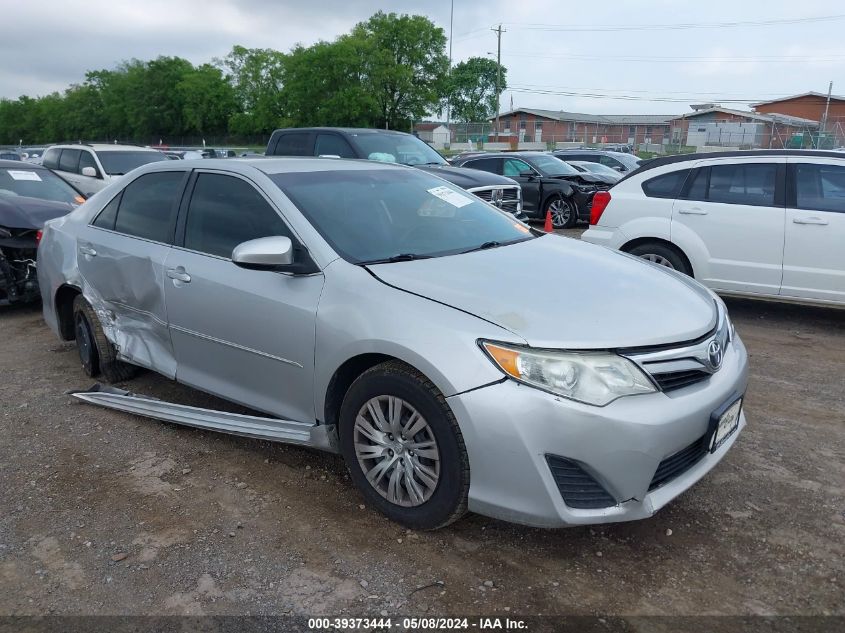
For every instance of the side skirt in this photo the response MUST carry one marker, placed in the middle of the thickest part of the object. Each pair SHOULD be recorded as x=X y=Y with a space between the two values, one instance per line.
x=321 y=437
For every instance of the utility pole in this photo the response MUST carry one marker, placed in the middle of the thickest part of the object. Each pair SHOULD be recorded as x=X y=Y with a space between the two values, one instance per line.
x=826 y=107
x=498 y=32
x=449 y=94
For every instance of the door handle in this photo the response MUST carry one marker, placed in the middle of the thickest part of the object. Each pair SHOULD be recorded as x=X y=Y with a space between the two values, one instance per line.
x=87 y=251
x=811 y=220
x=179 y=274
x=692 y=211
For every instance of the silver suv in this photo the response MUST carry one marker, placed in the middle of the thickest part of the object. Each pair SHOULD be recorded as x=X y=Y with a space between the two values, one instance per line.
x=381 y=312
x=90 y=167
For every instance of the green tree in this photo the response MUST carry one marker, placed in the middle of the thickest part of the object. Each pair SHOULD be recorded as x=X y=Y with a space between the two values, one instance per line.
x=472 y=89
x=325 y=84
x=406 y=66
x=257 y=76
x=208 y=100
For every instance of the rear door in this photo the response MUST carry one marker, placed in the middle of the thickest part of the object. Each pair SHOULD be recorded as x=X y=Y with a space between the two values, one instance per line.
x=294 y=143
x=733 y=211
x=121 y=257
x=814 y=251
x=245 y=335
x=332 y=144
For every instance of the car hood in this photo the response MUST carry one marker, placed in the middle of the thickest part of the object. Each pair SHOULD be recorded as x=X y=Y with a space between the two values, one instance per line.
x=19 y=212
x=557 y=292
x=465 y=177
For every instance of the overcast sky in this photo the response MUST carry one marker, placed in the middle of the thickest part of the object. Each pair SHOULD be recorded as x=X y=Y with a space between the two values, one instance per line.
x=556 y=52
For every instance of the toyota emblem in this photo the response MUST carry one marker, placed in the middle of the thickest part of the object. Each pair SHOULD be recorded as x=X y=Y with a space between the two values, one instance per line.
x=714 y=354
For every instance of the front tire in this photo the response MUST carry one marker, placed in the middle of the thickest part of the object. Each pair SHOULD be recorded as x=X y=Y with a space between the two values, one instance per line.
x=403 y=447
x=564 y=213
x=662 y=255
x=97 y=354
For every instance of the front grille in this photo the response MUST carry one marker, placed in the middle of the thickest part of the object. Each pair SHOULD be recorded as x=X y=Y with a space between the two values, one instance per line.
x=679 y=463
x=577 y=488
x=508 y=194
x=672 y=380
x=508 y=201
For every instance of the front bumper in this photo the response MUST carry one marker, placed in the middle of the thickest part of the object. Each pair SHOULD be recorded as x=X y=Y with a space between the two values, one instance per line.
x=510 y=428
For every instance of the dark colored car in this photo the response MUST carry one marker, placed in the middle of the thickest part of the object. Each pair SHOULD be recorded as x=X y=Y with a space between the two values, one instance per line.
x=607 y=174
x=29 y=196
x=7 y=155
x=618 y=161
x=395 y=147
x=548 y=184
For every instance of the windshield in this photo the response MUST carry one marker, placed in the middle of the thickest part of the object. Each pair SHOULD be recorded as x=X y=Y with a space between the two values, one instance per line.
x=551 y=166
x=117 y=163
x=37 y=183
x=374 y=215
x=397 y=148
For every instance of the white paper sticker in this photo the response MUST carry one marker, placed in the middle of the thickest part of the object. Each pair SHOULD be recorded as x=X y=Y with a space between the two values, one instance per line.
x=452 y=197
x=24 y=175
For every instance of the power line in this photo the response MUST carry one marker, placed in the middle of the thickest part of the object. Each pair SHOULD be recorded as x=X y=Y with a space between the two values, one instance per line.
x=770 y=59
x=673 y=27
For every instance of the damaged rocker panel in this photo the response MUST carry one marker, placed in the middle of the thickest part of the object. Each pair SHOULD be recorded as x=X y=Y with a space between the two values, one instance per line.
x=322 y=437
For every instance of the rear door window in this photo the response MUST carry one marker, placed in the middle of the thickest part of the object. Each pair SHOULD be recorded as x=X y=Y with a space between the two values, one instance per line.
x=820 y=187
x=69 y=160
x=294 y=144
x=332 y=145
x=751 y=184
x=148 y=206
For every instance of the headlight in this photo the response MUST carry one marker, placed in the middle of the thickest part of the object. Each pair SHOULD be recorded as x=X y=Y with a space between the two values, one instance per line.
x=596 y=378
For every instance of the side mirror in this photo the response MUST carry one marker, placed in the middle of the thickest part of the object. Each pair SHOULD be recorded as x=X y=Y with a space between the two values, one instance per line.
x=264 y=253
x=91 y=172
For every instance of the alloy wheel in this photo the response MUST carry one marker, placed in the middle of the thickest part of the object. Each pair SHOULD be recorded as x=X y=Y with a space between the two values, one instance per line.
x=561 y=212
x=657 y=259
x=397 y=451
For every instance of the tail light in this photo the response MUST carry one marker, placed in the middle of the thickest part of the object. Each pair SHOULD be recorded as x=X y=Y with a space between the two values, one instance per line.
x=600 y=202
x=38 y=235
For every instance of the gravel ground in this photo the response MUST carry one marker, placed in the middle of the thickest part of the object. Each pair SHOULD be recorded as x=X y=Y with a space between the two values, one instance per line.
x=102 y=512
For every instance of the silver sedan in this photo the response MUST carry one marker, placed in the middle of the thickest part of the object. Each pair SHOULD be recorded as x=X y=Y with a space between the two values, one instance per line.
x=383 y=313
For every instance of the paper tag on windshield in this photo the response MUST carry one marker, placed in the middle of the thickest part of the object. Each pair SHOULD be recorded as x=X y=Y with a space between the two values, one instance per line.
x=23 y=175
x=452 y=197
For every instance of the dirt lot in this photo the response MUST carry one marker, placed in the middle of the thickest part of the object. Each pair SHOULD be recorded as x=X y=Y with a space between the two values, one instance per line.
x=105 y=513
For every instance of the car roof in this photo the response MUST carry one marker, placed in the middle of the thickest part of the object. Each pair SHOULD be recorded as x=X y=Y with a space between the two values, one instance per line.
x=347 y=130
x=752 y=153
x=104 y=146
x=590 y=150
x=17 y=164
x=274 y=165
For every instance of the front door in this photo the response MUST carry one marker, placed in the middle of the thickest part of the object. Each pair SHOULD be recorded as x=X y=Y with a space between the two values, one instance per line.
x=246 y=335
x=121 y=256
x=814 y=250
x=735 y=211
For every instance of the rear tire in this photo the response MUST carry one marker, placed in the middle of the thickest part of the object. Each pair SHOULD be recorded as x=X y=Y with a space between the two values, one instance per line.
x=662 y=255
x=97 y=354
x=420 y=480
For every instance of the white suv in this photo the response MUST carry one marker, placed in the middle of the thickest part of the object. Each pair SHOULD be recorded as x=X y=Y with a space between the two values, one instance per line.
x=767 y=223
x=90 y=168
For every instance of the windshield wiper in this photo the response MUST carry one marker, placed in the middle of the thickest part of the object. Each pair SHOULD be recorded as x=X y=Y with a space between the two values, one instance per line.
x=483 y=247
x=402 y=257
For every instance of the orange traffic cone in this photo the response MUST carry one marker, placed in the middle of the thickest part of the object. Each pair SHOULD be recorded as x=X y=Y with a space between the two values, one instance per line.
x=548 y=228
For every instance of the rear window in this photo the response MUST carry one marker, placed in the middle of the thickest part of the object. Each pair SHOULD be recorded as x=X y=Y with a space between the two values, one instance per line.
x=293 y=144
x=666 y=185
